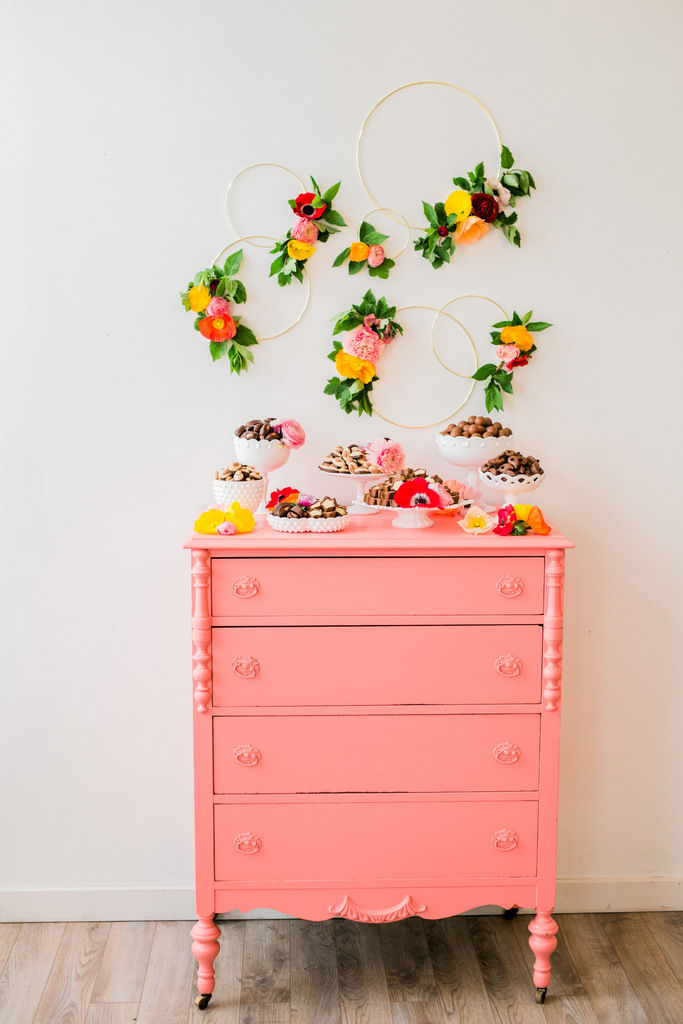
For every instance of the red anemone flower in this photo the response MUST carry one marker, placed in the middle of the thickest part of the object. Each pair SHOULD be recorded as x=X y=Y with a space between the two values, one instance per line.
x=416 y=492
x=284 y=494
x=507 y=517
x=304 y=206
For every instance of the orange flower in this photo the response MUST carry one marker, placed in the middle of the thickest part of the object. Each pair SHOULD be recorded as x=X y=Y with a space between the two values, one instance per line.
x=218 y=328
x=532 y=515
x=358 y=252
x=470 y=230
x=518 y=336
x=351 y=366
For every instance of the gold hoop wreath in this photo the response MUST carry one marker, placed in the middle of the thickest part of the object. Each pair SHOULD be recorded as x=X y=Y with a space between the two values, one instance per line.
x=412 y=85
x=248 y=240
x=448 y=415
x=387 y=209
x=442 y=312
x=251 y=167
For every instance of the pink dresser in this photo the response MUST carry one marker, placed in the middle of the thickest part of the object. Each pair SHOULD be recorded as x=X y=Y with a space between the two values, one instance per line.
x=376 y=725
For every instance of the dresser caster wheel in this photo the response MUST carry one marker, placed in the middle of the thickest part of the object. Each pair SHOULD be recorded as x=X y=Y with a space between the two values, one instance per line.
x=540 y=995
x=202 y=1001
x=509 y=914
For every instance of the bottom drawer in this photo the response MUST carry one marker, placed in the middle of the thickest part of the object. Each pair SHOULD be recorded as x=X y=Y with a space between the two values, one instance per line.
x=373 y=840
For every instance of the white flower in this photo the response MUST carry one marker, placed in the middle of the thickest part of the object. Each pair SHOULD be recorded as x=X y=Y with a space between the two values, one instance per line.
x=500 y=192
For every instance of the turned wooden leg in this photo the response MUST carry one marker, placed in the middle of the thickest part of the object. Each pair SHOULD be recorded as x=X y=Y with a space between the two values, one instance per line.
x=206 y=934
x=543 y=943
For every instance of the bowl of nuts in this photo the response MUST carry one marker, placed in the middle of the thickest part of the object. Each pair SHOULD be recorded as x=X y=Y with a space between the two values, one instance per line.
x=511 y=473
x=238 y=482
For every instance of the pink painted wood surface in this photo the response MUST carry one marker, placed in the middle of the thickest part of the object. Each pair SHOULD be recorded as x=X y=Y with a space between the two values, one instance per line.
x=347 y=840
x=376 y=753
x=360 y=586
x=205 y=948
x=365 y=665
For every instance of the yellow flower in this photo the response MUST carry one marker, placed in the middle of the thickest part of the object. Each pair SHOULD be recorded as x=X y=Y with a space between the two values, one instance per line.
x=241 y=518
x=358 y=252
x=209 y=520
x=351 y=366
x=460 y=203
x=532 y=515
x=476 y=521
x=199 y=298
x=299 y=250
x=518 y=336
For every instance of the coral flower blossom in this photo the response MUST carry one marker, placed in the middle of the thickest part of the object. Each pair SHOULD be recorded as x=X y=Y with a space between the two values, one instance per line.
x=198 y=298
x=376 y=256
x=386 y=454
x=470 y=230
x=305 y=231
x=299 y=250
x=354 y=368
x=218 y=328
x=416 y=492
x=303 y=206
x=358 y=251
x=218 y=307
x=476 y=521
x=518 y=336
x=364 y=344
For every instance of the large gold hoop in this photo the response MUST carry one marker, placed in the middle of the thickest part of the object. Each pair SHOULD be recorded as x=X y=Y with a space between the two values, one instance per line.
x=387 y=209
x=411 y=85
x=251 y=167
x=442 y=311
x=442 y=419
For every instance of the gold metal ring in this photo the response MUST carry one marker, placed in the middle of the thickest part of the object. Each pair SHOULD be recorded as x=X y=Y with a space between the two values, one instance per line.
x=387 y=209
x=443 y=311
x=248 y=238
x=442 y=419
x=245 y=238
x=411 y=85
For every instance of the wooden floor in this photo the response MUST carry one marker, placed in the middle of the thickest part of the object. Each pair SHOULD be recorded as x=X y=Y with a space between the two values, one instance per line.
x=608 y=969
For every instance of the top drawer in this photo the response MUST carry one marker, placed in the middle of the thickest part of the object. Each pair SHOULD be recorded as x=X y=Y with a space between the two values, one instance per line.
x=325 y=588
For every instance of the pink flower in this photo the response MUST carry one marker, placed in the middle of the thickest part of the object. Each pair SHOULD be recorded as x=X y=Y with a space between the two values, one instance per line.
x=456 y=486
x=292 y=433
x=226 y=529
x=306 y=500
x=387 y=455
x=218 y=307
x=445 y=499
x=305 y=231
x=370 y=320
x=500 y=192
x=375 y=255
x=507 y=517
x=507 y=353
x=364 y=344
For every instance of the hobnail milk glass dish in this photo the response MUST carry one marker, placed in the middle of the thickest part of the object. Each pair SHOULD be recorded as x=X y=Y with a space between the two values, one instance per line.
x=284 y=525
x=361 y=480
x=265 y=456
x=511 y=485
x=471 y=452
x=249 y=493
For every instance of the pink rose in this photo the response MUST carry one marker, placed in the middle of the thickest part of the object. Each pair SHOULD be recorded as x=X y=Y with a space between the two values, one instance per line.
x=507 y=353
x=375 y=255
x=445 y=499
x=305 y=231
x=292 y=433
x=218 y=307
x=387 y=455
x=364 y=344
x=226 y=529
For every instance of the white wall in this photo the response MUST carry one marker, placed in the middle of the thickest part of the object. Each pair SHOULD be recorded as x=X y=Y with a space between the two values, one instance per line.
x=124 y=125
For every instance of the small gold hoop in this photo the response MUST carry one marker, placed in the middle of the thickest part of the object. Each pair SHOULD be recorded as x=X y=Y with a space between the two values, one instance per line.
x=411 y=85
x=442 y=419
x=443 y=309
x=387 y=209
x=247 y=238
x=251 y=167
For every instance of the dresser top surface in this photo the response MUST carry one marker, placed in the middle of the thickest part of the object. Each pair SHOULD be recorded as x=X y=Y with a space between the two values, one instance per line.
x=375 y=535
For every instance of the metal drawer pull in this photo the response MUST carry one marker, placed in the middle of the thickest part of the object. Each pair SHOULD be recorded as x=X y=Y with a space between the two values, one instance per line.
x=508 y=753
x=246 y=666
x=505 y=839
x=510 y=586
x=247 y=842
x=247 y=755
x=507 y=665
x=246 y=586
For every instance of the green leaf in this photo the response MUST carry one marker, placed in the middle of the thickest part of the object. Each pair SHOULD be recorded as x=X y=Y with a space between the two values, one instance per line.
x=527 y=317
x=355 y=266
x=516 y=319
x=538 y=325
x=218 y=349
x=506 y=158
x=316 y=186
x=441 y=215
x=356 y=387
x=318 y=203
x=503 y=323
x=485 y=371
x=478 y=171
x=331 y=193
x=430 y=213
x=462 y=183
x=373 y=237
x=240 y=293
x=511 y=179
x=232 y=264
x=341 y=257
x=332 y=217
x=245 y=336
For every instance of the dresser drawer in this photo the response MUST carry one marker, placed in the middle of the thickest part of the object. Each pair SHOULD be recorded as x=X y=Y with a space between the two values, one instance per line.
x=328 y=587
x=376 y=753
x=268 y=666
x=370 y=840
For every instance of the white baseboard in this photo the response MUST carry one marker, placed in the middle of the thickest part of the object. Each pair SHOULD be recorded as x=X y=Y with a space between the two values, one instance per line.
x=574 y=896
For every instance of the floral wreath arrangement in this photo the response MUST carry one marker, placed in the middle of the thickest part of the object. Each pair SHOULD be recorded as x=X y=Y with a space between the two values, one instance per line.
x=515 y=347
x=209 y=296
x=476 y=205
x=368 y=251
x=316 y=221
x=371 y=327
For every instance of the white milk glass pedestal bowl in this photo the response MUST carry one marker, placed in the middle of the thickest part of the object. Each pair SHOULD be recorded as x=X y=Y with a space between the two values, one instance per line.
x=509 y=486
x=362 y=481
x=470 y=453
x=265 y=456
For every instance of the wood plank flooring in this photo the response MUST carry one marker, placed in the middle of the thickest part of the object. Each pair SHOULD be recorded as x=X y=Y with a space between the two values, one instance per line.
x=608 y=969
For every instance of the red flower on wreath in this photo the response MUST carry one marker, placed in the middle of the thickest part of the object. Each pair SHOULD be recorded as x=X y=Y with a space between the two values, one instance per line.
x=416 y=492
x=519 y=361
x=485 y=206
x=218 y=328
x=303 y=206
x=284 y=494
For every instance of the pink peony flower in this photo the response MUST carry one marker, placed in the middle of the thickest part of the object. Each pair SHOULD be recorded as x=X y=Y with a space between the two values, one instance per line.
x=218 y=307
x=507 y=353
x=226 y=529
x=445 y=499
x=500 y=192
x=305 y=231
x=292 y=433
x=375 y=255
x=364 y=344
x=387 y=455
